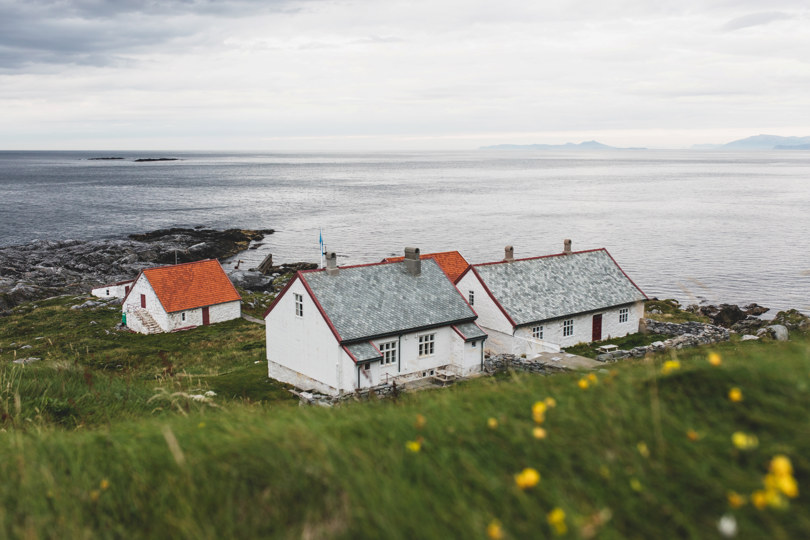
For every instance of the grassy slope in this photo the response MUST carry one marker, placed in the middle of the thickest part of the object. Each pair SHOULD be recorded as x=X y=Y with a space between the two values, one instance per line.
x=244 y=468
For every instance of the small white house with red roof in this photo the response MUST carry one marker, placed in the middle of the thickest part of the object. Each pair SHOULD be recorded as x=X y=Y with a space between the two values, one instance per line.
x=181 y=296
x=540 y=304
x=113 y=290
x=338 y=330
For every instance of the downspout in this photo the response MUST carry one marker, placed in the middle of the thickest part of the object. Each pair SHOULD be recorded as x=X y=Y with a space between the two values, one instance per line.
x=399 y=354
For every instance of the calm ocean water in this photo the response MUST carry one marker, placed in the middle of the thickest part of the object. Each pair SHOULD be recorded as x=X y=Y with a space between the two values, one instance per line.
x=724 y=227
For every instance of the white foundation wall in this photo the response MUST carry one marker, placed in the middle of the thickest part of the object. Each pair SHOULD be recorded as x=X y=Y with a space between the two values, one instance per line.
x=216 y=313
x=153 y=305
x=489 y=314
x=305 y=345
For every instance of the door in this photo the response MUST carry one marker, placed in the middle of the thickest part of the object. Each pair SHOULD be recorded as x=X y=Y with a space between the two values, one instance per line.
x=597 y=327
x=143 y=300
x=206 y=320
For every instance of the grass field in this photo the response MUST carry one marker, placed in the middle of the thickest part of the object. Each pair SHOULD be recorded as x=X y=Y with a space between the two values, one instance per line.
x=103 y=438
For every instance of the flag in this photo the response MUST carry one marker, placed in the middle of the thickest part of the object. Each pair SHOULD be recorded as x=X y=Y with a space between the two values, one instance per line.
x=320 y=240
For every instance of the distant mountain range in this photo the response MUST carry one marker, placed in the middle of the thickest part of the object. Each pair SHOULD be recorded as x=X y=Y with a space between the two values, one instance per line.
x=587 y=145
x=757 y=142
x=760 y=142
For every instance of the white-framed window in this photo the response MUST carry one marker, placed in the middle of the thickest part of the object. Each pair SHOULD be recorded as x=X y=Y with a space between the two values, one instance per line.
x=568 y=327
x=537 y=332
x=471 y=296
x=427 y=344
x=474 y=344
x=389 y=352
x=624 y=314
x=299 y=305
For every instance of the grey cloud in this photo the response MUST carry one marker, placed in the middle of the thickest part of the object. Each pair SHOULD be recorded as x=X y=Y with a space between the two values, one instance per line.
x=755 y=19
x=99 y=32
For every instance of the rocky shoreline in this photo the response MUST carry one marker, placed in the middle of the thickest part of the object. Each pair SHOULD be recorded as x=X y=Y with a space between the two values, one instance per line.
x=46 y=268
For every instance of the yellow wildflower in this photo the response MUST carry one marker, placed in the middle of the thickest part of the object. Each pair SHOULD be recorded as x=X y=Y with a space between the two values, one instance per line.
x=539 y=412
x=556 y=518
x=539 y=433
x=735 y=395
x=414 y=446
x=492 y=423
x=201 y=425
x=420 y=421
x=104 y=484
x=604 y=471
x=94 y=495
x=781 y=466
x=592 y=378
x=550 y=402
x=759 y=499
x=744 y=441
x=527 y=478
x=583 y=383
x=670 y=366
x=714 y=359
x=692 y=435
x=735 y=500
x=635 y=484
x=643 y=449
x=494 y=530
x=788 y=486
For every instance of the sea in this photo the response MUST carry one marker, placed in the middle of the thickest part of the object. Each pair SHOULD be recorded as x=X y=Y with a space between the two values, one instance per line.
x=698 y=226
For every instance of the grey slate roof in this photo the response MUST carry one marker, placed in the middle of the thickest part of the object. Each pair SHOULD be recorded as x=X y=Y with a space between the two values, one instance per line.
x=364 y=351
x=376 y=300
x=470 y=331
x=532 y=290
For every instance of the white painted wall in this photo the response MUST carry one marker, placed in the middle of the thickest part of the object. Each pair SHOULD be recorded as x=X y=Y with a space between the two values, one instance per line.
x=305 y=345
x=216 y=313
x=153 y=305
x=583 y=326
x=489 y=314
x=111 y=291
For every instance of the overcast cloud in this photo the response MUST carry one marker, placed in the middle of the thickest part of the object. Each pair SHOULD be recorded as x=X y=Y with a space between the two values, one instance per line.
x=315 y=74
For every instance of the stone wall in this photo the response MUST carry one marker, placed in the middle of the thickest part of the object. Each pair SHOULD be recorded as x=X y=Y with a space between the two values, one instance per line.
x=688 y=334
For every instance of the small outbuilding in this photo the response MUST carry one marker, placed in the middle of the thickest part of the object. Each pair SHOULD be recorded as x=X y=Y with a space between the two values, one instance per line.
x=541 y=304
x=113 y=290
x=179 y=297
x=338 y=330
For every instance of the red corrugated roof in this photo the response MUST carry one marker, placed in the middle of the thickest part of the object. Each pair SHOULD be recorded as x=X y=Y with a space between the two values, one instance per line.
x=191 y=285
x=451 y=262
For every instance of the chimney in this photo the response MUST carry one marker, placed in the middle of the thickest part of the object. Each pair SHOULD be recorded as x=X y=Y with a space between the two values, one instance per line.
x=413 y=264
x=567 y=246
x=331 y=263
x=508 y=254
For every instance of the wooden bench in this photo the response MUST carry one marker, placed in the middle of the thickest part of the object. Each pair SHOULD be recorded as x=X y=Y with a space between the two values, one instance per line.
x=607 y=348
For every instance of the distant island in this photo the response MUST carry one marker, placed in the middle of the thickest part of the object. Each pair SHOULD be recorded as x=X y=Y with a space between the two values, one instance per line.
x=141 y=160
x=586 y=145
x=760 y=142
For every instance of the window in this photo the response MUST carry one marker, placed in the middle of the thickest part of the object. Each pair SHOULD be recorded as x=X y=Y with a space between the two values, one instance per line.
x=367 y=366
x=183 y=316
x=624 y=314
x=474 y=344
x=568 y=327
x=537 y=332
x=471 y=296
x=389 y=352
x=107 y=292
x=426 y=344
x=299 y=305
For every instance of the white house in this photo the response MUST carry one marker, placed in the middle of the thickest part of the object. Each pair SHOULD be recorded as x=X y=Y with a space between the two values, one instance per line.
x=181 y=296
x=527 y=306
x=335 y=330
x=113 y=290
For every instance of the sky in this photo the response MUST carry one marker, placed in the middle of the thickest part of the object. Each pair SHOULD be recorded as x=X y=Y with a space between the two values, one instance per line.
x=297 y=75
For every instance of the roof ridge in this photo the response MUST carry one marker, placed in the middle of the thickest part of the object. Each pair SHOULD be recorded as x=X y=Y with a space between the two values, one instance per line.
x=178 y=264
x=543 y=257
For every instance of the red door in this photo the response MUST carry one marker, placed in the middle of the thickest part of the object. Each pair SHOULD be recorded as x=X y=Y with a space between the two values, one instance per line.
x=206 y=320
x=143 y=300
x=597 y=327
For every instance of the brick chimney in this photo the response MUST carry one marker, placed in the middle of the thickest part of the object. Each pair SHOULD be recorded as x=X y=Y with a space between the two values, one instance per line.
x=331 y=263
x=413 y=264
x=508 y=254
x=567 y=246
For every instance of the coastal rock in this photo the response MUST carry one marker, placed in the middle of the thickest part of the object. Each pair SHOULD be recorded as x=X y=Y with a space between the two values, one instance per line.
x=45 y=268
x=774 y=331
x=252 y=281
x=793 y=319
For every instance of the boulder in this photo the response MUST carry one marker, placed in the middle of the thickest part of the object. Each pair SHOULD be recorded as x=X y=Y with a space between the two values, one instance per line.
x=779 y=332
x=793 y=319
x=252 y=281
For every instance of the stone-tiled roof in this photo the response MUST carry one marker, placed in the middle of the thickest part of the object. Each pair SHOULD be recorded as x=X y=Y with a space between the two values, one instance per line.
x=470 y=331
x=191 y=285
x=542 y=288
x=364 y=351
x=381 y=299
x=452 y=262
